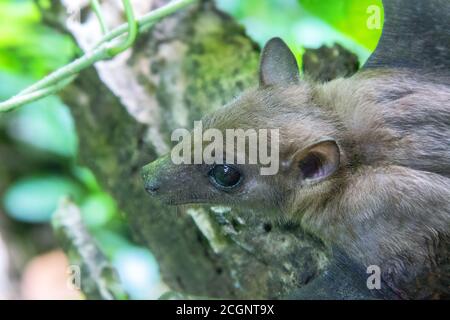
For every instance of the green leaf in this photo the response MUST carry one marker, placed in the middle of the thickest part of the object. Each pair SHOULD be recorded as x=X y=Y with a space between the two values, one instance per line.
x=34 y=199
x=87 y=178
x=98 y=209
x=45 y=124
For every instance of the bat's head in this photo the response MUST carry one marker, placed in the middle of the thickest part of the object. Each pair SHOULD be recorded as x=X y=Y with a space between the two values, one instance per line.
x=267 y=149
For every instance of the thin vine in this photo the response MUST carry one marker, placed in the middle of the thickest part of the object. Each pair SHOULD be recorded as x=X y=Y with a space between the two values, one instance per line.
x=103 y=50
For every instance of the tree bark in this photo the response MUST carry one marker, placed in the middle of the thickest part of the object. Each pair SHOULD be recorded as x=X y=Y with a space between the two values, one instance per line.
x=125 y=109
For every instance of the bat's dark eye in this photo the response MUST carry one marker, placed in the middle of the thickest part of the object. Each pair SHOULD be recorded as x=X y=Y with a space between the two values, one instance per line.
x=225 y=176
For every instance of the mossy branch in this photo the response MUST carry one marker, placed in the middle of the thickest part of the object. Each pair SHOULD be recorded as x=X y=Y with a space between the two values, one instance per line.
x=97 y=277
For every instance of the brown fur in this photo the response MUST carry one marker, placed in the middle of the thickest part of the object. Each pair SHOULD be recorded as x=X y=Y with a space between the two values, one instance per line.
x=388 y=203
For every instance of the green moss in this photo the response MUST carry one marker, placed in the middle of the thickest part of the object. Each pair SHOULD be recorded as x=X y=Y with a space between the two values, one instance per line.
x=217 y=54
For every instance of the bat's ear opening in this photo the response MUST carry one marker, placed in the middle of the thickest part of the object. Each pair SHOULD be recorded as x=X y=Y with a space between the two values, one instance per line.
x=317 y=162
x=278 y=66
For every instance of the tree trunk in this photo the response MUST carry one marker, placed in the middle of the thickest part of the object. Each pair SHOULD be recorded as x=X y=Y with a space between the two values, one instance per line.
x=125 y=110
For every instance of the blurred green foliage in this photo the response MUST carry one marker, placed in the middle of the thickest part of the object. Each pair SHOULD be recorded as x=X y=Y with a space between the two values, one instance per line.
x=349 y=17
x=310 y=23
x=45 y=130
x=33 y=199
x=27 y=46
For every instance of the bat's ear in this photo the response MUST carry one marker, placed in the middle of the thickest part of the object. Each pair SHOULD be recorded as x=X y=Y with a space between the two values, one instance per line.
x=317 y=162
x=278 y=65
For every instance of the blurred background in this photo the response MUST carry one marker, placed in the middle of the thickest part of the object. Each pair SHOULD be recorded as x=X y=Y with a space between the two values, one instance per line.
x=38 y=142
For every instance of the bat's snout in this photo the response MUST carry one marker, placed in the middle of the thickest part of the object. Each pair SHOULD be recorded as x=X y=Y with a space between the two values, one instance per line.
x=152 y=183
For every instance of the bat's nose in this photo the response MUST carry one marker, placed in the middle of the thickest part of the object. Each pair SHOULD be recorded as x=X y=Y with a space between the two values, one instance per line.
x=156 y=176
x=151 y=183
x=152 y=187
